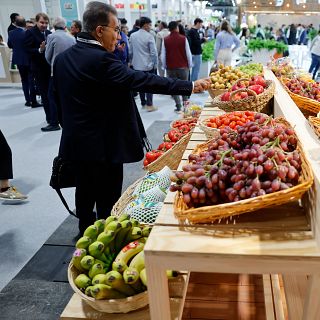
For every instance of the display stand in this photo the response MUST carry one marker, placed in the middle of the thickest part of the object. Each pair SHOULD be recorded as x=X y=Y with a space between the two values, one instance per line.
x=278 y=241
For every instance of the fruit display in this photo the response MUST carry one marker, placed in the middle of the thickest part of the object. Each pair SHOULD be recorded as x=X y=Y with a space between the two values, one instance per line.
x=304 y=88
x=282 y=67
x=191 y=110
x=252 y=69
x=231 y=119
x=224 y=77
x=254 y=159
x=180 y=128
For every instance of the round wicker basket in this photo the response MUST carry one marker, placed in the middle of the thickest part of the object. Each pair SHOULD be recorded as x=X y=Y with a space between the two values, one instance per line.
x=109 y=306
x=216 y=92
x=211 y=133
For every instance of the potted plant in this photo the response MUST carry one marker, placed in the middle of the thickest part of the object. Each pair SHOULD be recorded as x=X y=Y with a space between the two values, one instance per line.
x=207 y=59
x=262 y=50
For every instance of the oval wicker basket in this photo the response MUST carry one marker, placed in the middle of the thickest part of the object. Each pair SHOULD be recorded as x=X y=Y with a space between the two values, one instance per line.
x=315 y=124
x=308 y=107
x=211 y=133
x=209 y=214
x=109 y=306
x=181 y=120
x=176 y=286
x=258 y=104
x=216 y=92
x=125 y=199
x=172 y=157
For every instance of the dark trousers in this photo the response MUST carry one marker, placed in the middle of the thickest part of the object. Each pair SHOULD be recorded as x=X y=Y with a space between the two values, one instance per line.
x=52 y=105
x=5 y=159
x=315 y=64
x=42 y=81
x=143 y=95
x=97 y=184
x=27 y=80
x=181 y=74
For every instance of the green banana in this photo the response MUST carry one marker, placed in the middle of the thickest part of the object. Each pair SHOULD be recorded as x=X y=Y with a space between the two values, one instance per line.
x=82 y=281
x=83 y=242
x=97 y=268
x=103 y=291
x=116 y=281
x=101 y=262
x=76 y=258
x=110 y=219
x=121 y=235
x=100 y=278
x=91 y=232
x=143 y=276
x=106 y=237
x=172 y=274
x=133 y=234
x=131 y=275
x=100 y=224
x=88 y=291
x=130 y=250
x=87 y=262
x=96 y=250
x=146 y=231
x=123 y=217
x=114 y=226
x=119 y=266
x=138 y=262
x=135 y=222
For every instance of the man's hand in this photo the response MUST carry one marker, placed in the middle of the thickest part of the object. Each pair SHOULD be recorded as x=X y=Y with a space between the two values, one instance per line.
x=201 y=85
x=42 y=46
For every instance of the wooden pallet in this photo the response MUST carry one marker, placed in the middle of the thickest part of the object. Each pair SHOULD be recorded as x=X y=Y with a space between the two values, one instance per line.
x=209 y=296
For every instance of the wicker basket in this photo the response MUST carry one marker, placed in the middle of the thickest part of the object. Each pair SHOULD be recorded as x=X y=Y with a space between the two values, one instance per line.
x=308 y=107
x=172 y=157
x=181 y=120
x=176 y=286
x=211 y=133
x=216 y=92
x=258 y=103
x=209 y=214
x=125 y=199
x=315 y=124
x=109 y=306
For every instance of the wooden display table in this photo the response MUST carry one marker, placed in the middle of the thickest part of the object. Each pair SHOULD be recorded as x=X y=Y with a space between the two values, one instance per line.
x=281 y=240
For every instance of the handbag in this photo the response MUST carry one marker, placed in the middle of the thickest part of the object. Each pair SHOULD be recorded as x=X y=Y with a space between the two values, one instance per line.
x=62 y=176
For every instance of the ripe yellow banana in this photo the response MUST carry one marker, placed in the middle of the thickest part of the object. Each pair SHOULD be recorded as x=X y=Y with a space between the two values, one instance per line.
x=115 y=280
x=103 y=291
x=143 y=277
x=130 y=250
x=138 y=262
x=121 y=235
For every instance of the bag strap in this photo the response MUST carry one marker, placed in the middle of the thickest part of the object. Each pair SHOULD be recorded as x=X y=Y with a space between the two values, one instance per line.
x=63 y=200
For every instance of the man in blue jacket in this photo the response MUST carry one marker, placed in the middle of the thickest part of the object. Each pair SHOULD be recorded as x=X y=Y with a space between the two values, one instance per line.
x=101 y=125
x=21 y=58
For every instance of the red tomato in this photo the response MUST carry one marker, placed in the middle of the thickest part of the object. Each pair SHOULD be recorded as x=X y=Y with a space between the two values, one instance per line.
x=145 y=162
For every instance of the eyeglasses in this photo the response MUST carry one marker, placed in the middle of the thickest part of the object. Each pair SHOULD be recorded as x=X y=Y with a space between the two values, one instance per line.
x=116 y=29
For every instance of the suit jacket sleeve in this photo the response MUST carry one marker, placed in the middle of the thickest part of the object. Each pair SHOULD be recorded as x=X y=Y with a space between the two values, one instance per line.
x=49 y=49
x=114 y=73
x=29 y=44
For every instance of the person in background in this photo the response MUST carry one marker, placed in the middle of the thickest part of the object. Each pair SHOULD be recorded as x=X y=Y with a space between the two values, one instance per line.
x=144 y=57
x=123 y=22
x=210 y=32
x=176 y=58
x=135 y=28
x=122 y=48
x=76 y=27
x=29 y=24
x=260 y=32
x=35 y=44
x=21 y=58
x=162 y=33
x=12 y=25
x=299 y=31
x=315 y=56
x=195 y=46
x=303 y=40
x=125 y=30
x=292 y=34
x=226 y=43
x=87 y=91
x=271 y=35
x=7 y=191
x=182 y=30
x=280 y=37
x=57 y=42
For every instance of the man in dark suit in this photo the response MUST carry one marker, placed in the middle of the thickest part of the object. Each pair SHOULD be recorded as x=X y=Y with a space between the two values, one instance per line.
x=21 y=58
x=102 y=128
x=35 y=45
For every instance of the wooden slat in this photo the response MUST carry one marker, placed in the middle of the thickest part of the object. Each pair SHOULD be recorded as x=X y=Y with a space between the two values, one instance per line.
x=198 y=137
x=268 y=297
x=277 y=297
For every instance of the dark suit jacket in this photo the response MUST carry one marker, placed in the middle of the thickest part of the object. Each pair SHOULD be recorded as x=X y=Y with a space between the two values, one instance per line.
x=100 y=119
x=32 y=42
x=11 y=27
x=20 y=56
x=195 y=41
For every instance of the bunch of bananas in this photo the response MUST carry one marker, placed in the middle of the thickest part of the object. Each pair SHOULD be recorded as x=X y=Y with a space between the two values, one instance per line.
x=103 y=257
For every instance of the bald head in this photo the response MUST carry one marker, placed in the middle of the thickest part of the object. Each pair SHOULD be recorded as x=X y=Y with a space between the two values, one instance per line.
x=20 y=22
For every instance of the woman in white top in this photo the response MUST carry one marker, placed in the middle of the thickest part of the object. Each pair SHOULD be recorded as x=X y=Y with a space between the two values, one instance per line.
x=226 y=43
x=315 y=56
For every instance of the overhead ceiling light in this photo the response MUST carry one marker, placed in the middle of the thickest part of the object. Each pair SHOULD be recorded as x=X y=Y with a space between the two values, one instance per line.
x=270 y=2
x=288 y=5
x=254 y=2
x=304 y=6
x=255 y=7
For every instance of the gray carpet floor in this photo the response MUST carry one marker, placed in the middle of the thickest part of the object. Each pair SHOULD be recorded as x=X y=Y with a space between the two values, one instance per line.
x=25 y=227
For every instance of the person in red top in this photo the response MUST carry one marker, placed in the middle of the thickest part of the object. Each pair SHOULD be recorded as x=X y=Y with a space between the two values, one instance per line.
x=176 y=58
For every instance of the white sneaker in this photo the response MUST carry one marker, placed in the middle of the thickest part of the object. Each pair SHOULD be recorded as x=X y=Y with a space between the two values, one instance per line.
x=12 y=194
x=151 y=108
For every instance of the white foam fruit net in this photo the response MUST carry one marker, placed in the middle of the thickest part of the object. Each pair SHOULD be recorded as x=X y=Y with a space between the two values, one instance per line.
x=146 y=212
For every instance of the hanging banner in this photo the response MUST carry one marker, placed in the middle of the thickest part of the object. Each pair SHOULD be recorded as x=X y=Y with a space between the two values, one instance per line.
x=69 y=10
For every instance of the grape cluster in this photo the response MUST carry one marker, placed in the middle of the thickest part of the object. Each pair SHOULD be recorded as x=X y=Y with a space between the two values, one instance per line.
x=257 y=158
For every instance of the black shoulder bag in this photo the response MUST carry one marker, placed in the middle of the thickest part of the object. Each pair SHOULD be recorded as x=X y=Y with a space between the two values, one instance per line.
x=62 y=177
